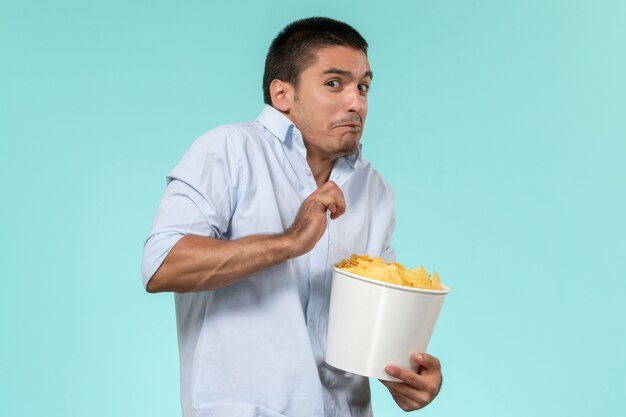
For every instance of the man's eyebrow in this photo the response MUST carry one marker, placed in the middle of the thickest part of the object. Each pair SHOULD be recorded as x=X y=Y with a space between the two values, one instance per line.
x=346 y=73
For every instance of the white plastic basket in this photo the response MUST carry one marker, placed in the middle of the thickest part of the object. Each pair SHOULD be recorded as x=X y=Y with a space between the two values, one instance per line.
x=373 y=324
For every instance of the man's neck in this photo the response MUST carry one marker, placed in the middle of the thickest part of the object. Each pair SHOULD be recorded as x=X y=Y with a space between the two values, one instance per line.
x=320 y=168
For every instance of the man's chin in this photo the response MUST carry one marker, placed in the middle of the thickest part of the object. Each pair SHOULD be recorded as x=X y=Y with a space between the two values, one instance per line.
x=348 y=147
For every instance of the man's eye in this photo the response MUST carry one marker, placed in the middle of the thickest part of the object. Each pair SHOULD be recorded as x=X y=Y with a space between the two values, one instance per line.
x=332 y=83
x=364 y=88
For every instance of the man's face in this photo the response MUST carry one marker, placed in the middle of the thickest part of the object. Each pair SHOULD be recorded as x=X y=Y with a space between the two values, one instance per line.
x=330 y=104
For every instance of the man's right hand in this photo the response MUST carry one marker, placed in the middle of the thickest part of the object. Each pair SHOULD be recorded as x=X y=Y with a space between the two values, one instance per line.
x=311 y=221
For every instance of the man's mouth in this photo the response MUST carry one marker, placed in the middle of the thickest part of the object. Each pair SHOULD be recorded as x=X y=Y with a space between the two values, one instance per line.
x=352 y=122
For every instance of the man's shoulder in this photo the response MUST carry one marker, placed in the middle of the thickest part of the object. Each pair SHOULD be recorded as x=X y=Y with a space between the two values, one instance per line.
x=231 y=141
x=374 y=178
x=231 y=144
x=241 y=132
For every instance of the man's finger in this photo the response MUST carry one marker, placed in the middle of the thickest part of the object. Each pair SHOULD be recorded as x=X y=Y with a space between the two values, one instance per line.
x=340 y=202
x=408 y=377
x=426 y=363
x=331 y=197
x=329 y=185
x=328 y=202
x=406 y=396
x=339 y=210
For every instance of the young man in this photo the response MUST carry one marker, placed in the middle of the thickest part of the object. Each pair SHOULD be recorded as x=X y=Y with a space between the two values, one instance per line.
x=251 y=222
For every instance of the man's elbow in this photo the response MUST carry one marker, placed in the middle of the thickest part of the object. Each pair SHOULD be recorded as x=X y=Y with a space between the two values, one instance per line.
x=156 y=283
x=151 y=287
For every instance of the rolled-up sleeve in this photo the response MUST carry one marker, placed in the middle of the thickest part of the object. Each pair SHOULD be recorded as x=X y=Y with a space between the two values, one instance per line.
x=197 y=200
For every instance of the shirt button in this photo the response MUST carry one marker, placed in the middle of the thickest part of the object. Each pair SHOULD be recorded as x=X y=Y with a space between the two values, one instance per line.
x=308 y=171
x=316 y=273
x=311 y=324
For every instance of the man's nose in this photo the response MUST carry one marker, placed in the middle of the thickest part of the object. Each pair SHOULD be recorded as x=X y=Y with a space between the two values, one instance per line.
x=355 y=101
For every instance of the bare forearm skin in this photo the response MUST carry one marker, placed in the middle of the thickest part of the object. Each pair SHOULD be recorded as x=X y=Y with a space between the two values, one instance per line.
x=199 y=263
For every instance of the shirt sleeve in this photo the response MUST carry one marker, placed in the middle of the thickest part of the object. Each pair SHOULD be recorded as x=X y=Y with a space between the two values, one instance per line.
x=198 y=199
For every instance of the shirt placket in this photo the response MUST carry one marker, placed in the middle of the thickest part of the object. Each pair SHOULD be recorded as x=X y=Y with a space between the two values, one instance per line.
x=296 y=155
x=318 y=259
x=319 y=275
x=318 y=256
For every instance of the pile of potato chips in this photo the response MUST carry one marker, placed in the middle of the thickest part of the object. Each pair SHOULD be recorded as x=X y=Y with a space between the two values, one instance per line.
x=393 y=273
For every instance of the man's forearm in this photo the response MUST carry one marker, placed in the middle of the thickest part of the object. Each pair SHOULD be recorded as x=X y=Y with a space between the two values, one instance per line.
x=199 y=263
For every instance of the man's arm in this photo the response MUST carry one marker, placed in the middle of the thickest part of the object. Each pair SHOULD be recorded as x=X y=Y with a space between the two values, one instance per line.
x=199 y=263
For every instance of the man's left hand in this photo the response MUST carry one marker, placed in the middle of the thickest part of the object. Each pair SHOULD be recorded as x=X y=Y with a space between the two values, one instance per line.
x=417 y=389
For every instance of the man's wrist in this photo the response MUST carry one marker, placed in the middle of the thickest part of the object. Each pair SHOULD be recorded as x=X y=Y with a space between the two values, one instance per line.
x=287 y=244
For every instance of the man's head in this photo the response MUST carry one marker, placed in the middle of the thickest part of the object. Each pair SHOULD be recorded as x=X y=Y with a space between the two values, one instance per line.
x=318 y=75
x=294 y=48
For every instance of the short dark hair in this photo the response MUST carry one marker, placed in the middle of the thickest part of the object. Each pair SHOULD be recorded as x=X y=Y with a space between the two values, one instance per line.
x=294 y=48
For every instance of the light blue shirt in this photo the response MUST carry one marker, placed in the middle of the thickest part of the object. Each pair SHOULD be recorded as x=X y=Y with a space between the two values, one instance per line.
x=256 y=348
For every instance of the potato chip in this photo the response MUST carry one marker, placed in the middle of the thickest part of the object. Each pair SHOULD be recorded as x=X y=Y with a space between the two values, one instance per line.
x=393 y=273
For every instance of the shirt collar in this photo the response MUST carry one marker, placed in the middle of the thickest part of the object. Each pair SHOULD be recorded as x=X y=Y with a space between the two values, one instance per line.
x=283 y=129
x=277 y=123
x=354 y=157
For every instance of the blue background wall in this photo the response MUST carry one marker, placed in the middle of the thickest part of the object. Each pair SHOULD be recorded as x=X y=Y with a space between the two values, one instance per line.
x=501 y=126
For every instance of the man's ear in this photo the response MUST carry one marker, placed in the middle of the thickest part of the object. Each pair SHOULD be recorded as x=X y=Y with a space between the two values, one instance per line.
x=282 y=94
